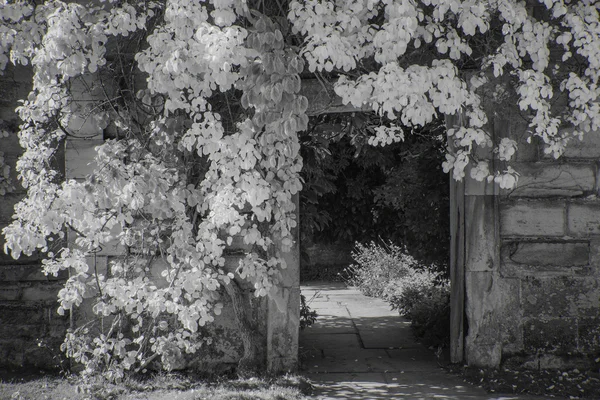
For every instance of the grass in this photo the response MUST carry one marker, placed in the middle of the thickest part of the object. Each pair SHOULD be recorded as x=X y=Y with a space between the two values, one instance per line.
x=159 y=387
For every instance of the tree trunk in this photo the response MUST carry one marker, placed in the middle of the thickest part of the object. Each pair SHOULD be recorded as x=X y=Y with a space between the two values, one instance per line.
x=252 y=362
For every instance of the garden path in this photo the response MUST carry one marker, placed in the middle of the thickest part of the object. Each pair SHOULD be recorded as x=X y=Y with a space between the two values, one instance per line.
x=359 y=349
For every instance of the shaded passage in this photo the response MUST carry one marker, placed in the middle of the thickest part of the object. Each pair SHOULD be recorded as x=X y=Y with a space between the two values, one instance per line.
x=360 y=349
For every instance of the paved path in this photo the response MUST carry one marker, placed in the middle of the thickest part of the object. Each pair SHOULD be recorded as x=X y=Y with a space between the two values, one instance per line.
x=359 y=349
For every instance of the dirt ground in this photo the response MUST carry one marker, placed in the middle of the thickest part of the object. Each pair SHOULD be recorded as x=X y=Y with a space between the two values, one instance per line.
x=572 y=384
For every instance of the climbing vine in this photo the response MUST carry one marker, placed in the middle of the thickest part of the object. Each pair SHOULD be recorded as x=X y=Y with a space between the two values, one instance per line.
x=203 y=146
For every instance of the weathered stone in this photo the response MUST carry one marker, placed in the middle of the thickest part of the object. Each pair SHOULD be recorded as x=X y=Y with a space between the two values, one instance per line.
x=583 y=218
x=22 y=331
x=15 y=84
x=11 y=292
x=27 y=273
x=494 y=318
x=79 y=156
x=476 y=188
x=552 y=336
x=546 y=254
x=588 y=147
x=10 y=145
x=588 y=332
x=545 y=179
x=282 y=331
x=594 y=252
x=532 y=218
x=42 y=291
x=14 y=313
x=558 y=297
x=481 y=235
x=11 y=161
x=7 y=207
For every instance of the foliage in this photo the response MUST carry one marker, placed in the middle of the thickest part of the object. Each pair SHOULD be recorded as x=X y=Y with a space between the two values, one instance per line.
x=424 y=299
x=378 y=265
x=356 y=192
x=201 y=105
x=418 y=293
x=418 y=47
x=307 y=315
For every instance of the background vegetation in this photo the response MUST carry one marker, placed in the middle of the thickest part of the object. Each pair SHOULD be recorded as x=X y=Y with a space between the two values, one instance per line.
x=355 y=192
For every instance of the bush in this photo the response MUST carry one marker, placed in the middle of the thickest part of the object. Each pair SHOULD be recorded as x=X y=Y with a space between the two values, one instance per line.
x=307 y=315
x=424 y=300
x=377 y=265
x=420 y=295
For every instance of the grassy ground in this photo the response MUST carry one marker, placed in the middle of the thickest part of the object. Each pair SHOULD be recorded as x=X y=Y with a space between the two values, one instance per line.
x=159 y=387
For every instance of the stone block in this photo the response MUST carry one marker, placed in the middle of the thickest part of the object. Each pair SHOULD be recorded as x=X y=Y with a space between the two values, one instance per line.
x=7 y=207
x=481 y=236
x=14 y=313
x=282 y=330
x=85 y=125
x=15 y=84
x=588 y=332
x=559 y=297
x=41 y=292
x=547 y=179
x=583 y=219
x=25 y=332
x=588 y=147
x=553 y=336
x=494 y=318
x=10 y=145
x=594 y=252
x=476 y=188
x=11 y=161
x=532 y=218
x=79 y=157
x=532 y=258
x=26 y=273
x=11 y=291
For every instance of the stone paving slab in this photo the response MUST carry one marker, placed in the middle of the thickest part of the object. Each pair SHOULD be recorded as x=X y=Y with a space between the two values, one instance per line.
x=328 y=324
x=388 y=339
x=331 y=341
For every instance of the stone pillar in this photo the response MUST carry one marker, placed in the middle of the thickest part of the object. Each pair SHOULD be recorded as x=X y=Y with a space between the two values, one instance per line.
x=283 y=313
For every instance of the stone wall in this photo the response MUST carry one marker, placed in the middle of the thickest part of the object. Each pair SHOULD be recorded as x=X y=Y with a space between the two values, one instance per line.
x=531 y=260
x=28 y=298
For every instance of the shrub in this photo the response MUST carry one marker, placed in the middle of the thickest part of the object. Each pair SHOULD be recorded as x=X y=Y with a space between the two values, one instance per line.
x=417 y=293
x=308 y=316
x=377 y=265
x=424 y=300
